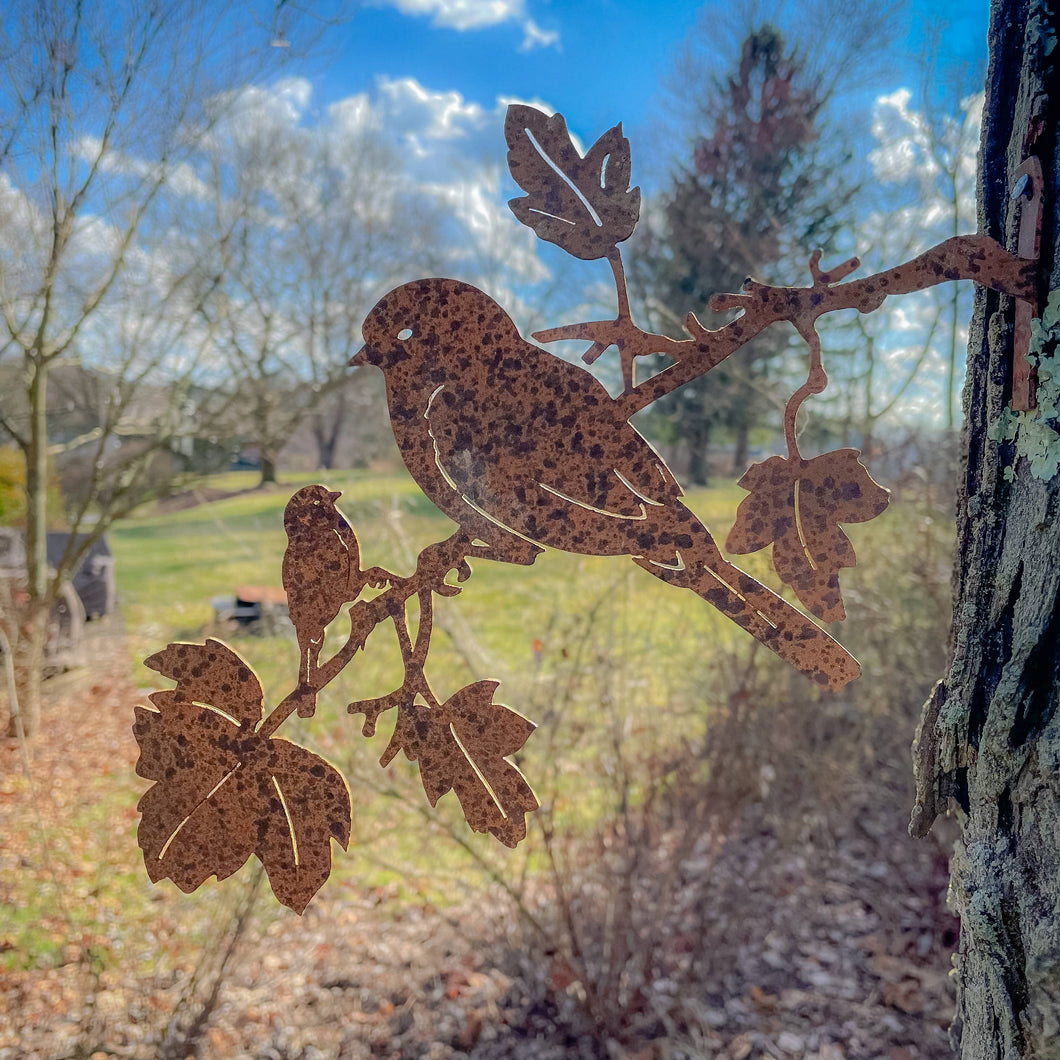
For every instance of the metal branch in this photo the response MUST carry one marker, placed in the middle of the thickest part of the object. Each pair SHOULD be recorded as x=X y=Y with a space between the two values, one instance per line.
x=432 y=568
x=968 y=257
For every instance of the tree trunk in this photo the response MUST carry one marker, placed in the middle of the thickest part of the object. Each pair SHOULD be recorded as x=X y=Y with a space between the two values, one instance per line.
x=29 y=630
x=32 y=617
x=697 y=437
x=327 y=442
x=741 y=456
x=268 y=469
x=328 y=421
x=990 y=735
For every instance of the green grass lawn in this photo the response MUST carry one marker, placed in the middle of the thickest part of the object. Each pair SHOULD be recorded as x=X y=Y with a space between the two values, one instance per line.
x=628 y=664
x=607 y=627
x=169 y=567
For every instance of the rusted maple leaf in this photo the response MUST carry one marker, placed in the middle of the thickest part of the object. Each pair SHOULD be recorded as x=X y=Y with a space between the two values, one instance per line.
x=582 y=204
x=797 y=505
x=222 y=790
x=462 y=745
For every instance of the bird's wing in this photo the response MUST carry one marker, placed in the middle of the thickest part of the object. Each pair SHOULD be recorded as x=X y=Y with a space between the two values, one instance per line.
x=604 y=461
x=549 y=429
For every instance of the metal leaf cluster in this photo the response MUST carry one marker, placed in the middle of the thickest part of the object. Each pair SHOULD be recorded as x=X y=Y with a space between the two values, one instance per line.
x=797 y=507
x=222 y=791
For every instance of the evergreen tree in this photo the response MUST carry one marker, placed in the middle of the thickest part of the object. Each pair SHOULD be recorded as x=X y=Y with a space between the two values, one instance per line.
x=764 y=188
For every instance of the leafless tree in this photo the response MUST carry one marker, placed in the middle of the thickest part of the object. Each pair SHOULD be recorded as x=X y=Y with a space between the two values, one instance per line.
x=305 y=226
x=100 y=109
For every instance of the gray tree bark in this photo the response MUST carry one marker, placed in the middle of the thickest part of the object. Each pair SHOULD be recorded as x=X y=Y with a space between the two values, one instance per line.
x=990 y=735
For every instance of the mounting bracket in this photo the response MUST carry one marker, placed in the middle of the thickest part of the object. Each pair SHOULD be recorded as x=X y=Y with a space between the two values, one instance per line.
x=1027 y=191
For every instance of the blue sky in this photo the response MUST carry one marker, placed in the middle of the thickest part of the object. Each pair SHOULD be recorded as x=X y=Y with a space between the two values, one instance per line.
x=598 y=61
x=432 y=79
x=436 y=74
x=418 y=90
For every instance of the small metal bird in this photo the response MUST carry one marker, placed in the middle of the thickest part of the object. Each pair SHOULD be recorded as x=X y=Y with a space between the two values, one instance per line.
x=321 y=569
x=524 y=450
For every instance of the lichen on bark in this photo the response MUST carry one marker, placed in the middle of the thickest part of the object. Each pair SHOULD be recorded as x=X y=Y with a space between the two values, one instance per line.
x=1036 y=433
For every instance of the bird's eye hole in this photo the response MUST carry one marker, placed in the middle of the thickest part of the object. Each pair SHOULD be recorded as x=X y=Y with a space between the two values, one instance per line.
x=404 y=333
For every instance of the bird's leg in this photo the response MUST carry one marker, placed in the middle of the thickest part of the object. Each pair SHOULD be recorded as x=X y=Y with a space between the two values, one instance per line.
x=307 y=668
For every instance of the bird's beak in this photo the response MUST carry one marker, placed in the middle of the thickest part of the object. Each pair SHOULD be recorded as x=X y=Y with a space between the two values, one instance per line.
x=334 y=494
x=361 y=357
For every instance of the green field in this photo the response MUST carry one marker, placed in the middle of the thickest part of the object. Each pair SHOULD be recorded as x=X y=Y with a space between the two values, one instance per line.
x=630 y=669
x=169 y=567
x=631 y=674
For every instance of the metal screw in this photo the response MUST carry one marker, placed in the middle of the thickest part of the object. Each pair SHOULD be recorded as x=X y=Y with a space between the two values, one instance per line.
x=1022 y=187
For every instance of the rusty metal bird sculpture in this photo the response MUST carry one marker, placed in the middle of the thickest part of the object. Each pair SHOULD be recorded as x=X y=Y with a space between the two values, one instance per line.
x=526 y=451
x=523 y=451
x=321 y=570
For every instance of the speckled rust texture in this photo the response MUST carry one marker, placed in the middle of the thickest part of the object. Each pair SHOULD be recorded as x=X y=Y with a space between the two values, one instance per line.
x=223 y=791
x=797 y=506
x=524 y=451
x=967 y=257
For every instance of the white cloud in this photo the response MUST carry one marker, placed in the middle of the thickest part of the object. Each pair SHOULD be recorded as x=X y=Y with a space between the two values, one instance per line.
x=417 y=114
x=938 y=156
x=451 y=152
x=410 y=177
x=180 y=177
x=536 y=37
x=353 y=115
x=924 y=165
x=280 y=103
x=479 y=14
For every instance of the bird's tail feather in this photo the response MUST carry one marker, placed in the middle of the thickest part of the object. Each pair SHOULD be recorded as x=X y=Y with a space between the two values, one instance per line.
x=771 y=620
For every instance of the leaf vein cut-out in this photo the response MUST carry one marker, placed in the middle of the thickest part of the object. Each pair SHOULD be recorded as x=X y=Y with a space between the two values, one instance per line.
x=290 y=822
x=597 y=220
x=798 y=524
x=176 y=831
x=220 y=713
x=478 y=772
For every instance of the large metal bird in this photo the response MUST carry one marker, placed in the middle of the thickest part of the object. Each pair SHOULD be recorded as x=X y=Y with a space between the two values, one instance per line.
x=524 y=451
